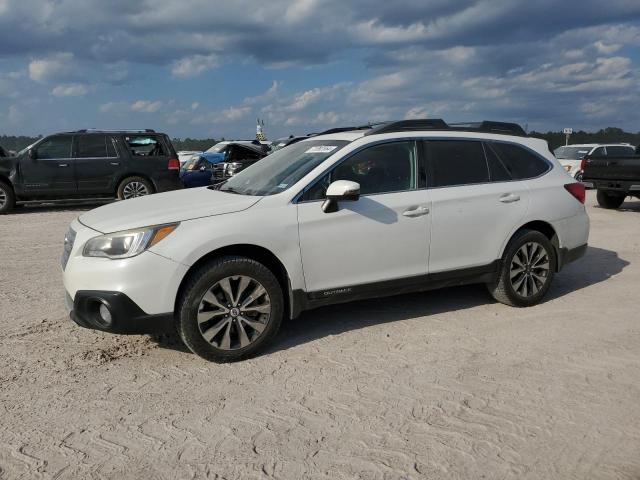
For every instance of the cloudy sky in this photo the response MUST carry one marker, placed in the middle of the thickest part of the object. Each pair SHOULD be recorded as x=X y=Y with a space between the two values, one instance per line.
x=209 y=68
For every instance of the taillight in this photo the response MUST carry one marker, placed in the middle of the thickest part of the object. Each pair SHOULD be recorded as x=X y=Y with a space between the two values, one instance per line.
x=583 y=164
x=577 y=190
x=173 y=164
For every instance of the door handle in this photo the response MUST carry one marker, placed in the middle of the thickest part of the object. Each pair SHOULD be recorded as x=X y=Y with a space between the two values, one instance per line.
x=416 y=211
x=509 y=198
x=63 y=164
x=115 y=163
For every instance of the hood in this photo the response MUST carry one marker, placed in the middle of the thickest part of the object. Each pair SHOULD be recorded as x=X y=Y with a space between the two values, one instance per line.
x=169 y=207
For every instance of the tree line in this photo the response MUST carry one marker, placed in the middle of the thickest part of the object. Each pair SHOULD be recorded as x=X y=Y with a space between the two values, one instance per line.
x=555 y=139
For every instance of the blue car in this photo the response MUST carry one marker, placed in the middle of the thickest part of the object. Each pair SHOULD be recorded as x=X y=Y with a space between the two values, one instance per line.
x=196 y=172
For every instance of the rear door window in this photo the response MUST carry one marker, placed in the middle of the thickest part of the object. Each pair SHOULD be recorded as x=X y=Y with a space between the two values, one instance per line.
x=599 y=152
x=93 y=146
x=497 y=170
x=520 y=162
x=457 y=162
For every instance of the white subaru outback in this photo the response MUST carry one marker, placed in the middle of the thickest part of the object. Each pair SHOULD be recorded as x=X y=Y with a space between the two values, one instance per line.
x=349 y=214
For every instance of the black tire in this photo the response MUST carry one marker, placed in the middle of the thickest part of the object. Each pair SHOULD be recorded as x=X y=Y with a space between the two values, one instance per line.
x=201 y=283
x=7 y=198
x=578 y=176
x=611 y=200
x=130 y=182
x=502 y=288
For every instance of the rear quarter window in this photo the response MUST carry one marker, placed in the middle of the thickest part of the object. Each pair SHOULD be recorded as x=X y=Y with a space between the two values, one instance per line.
x=520 y=162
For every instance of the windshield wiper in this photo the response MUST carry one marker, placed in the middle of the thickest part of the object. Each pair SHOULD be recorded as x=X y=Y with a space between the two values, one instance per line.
x=230 y=190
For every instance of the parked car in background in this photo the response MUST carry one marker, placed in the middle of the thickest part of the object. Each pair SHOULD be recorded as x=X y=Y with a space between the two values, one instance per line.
x=354 y=214
x=238 y=156
x=615 y=177
x=197 y=171
x=90 y=164
x=185 y=155
x=570 y=156
x=286 y=141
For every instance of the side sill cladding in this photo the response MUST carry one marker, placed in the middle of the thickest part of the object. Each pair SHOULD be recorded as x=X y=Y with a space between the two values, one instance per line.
x=302 y=301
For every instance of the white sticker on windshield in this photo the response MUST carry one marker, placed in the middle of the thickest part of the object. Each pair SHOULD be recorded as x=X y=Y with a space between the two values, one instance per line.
x=283 y=185
x=583 y=151
x=322 y=149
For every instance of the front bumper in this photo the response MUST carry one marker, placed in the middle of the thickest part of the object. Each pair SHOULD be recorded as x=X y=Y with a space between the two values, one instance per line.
x=149 y=280
x=124 y=315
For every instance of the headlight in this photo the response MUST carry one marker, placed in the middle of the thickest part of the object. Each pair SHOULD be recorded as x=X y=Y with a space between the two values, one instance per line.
x=128 y=243
x=234 y=167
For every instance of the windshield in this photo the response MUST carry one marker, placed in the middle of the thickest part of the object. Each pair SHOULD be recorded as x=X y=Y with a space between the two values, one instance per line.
x=571 y=153
x=283 y=168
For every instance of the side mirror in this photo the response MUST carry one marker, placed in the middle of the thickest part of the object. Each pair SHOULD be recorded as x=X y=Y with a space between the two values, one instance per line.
x=33 y=155
x=340 y=190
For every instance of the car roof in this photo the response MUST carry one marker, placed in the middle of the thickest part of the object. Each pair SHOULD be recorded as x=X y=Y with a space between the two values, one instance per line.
x=584 y=145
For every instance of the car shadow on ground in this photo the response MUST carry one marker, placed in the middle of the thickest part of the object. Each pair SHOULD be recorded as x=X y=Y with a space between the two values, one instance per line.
x=598 y=265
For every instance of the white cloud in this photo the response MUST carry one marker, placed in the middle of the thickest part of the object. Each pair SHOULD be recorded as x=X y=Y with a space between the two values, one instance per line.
x=146 y=106
x=194 y=65
x=233 y=114
x=55 y=67
x=70 y=90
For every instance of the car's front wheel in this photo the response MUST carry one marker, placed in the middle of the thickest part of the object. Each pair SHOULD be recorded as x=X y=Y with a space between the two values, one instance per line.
x=526 y=270
x=230 y=309
x=7 y=198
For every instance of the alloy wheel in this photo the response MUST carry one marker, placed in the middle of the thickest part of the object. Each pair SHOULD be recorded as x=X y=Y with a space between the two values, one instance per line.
x=234 y=312
x=134 y=189
x=529 y=270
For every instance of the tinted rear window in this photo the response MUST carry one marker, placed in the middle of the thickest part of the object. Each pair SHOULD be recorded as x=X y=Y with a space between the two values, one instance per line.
x=520 y=162
x=457 y=162
x=92 y=146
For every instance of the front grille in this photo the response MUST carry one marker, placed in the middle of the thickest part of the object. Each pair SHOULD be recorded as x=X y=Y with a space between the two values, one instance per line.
x=69 y=240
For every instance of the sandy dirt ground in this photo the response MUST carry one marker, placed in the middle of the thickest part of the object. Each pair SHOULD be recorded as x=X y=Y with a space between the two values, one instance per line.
x=444 y=384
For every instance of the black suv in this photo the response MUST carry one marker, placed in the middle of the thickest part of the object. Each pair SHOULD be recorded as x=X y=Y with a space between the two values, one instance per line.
x=90 y=164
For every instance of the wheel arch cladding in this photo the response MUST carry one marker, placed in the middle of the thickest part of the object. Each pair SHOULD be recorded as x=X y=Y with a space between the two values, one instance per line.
x=260 y=254
x=128 y=175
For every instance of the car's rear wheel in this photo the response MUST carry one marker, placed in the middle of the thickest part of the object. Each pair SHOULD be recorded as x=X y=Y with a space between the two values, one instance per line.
x=526 y=270
x=610 y=200
x=133 y=187
x=230 y=309
x=7 y=198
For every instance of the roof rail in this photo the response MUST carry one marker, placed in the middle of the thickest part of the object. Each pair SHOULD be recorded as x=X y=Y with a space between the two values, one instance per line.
x=486 y=126
x=368 y=126
x=134 y=130
x=410 y=126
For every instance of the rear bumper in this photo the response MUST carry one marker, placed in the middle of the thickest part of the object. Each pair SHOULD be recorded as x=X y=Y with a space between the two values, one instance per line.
x=126 y=317
x=568 y=255
x=622 y=186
